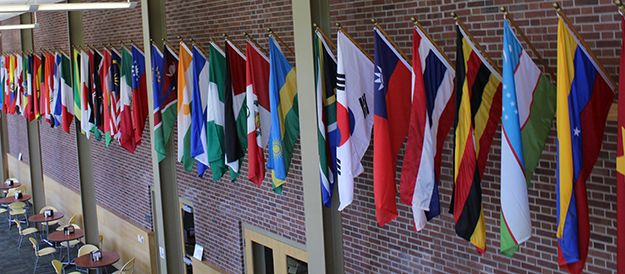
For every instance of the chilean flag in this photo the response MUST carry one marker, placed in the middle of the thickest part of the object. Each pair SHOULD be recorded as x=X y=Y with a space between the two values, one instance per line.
x=392 y=80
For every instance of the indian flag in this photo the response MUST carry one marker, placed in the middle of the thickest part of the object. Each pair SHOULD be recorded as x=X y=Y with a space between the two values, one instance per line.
x=185 y=89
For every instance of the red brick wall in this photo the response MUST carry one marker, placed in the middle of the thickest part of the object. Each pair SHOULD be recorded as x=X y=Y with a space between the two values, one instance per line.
x=221 y=207
x=396 y=247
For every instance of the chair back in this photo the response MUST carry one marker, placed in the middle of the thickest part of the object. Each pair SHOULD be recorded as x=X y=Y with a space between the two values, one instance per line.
x=72 y=220
x=86 y=249
x=58 y=266
x=46 y=208
x=34 y=242
x=17 y=205
x=12 y=191
x=19 y=225
x=129 y=267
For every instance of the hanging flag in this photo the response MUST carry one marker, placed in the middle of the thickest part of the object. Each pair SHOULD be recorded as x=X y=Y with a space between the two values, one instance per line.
x=430 y=119
x=259 y=118
x=354 y=97
x=37 y=84
x=528 y=108
x=327 y=131
x=29 y=111
x=165 y=66
x=87 y=120
x=3 y=79
x=199 y=145
x=139 y=94
x=478 y=102
x=56 y=101
x=215 y=114
x=67 y=93
x=9 y=106
x=284 y=114
x=392 y=79
x=19 y=83
x=584 y=96
x=77 y=87
x=620 y=163
x=107 y=86
x=127 y=135
x=96 y=94
x=235 y=127
x=185 y=97
x=115 y=104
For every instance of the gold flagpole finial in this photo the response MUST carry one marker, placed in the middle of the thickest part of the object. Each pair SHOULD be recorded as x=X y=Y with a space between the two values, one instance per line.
x=315 y=27
x=339 y=26
x=246 y=35
x=557 y=6
x=269 y=31
x=454 y=15
x=225 y=35
x=374 y=22
x=504 y=10
x=413 y=19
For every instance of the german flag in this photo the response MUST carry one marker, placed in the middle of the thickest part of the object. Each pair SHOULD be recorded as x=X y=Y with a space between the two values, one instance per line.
x=478 y=110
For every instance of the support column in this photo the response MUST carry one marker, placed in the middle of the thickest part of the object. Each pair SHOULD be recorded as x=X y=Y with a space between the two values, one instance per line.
x=32 y=128
x=85 y=165
x=4 y=148
x=323 y=231
x=166 y=212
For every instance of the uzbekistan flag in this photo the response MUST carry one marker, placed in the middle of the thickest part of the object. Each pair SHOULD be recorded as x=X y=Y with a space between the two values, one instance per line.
x=259 y=118
x=284 y=114
x=478 y=103
x=620 y=163
x=391 y=116
x=528 y=108
x=430 y=120
x=327 y=131
x=584 y=96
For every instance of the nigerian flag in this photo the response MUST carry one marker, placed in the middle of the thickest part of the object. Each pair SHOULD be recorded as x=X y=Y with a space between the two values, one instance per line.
x=215 y=111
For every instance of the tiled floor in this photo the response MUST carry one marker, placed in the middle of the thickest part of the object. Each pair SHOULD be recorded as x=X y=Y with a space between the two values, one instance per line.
x=22 y=261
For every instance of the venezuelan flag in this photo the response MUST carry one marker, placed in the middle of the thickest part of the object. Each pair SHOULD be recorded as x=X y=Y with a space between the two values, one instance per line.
x=584 y=95
x=284 y=114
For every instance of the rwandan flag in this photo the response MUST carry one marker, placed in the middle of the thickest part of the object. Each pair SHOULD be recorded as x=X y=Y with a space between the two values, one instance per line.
x=478 y=105
x=584 y=96
x=327 y=130
x=284 y=114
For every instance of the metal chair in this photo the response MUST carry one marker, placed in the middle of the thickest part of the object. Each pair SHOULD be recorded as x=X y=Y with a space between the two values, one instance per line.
x=58 y=267
x=17 y=209
x=128 y=268
x=24 y=232
x=40 y=252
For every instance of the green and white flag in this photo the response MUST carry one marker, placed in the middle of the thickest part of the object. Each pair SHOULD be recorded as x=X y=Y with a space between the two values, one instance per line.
x=215 y=111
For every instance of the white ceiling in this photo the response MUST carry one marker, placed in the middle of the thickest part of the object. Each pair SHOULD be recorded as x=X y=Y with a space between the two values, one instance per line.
x=4 y=16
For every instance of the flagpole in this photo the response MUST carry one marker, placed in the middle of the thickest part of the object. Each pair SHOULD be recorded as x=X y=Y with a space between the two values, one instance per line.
x=513 y=23
x=427 y=35
x=271 y=33
x=232 y=43
x=251 y=40
x=477 y=45
x=388 y=38
x=325 y=37
x=568 y=23
x=353 y=41
x=193 y=44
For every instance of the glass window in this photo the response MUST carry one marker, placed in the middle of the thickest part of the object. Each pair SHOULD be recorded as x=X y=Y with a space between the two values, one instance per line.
x=263 y=258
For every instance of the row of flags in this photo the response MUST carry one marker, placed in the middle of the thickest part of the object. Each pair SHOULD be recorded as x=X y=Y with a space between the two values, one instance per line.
x=417 y=103
x=226 y=103
x=104 y=90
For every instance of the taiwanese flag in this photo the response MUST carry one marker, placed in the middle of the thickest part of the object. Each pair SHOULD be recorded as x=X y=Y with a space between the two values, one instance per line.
x=392 y=80
x=139 y=94
x=584 y=96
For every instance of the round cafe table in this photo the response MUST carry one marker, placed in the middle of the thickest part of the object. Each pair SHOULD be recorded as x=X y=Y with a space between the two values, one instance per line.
x=59 y=236
x=10 y=200
x=108 y=259
x=7 y=187
x=39 y=218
